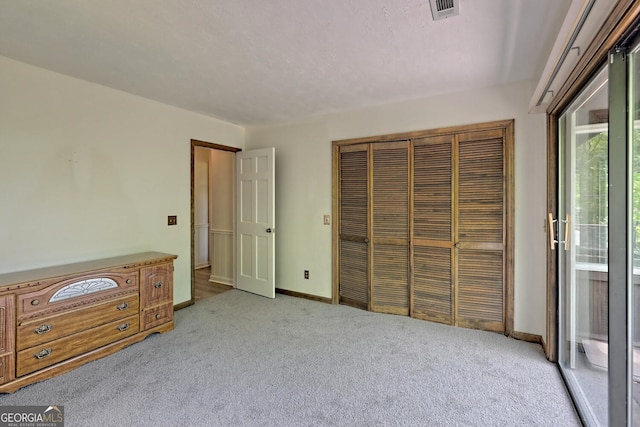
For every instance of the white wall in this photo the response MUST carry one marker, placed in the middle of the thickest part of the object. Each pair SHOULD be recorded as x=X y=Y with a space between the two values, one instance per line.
x=88 y=172
x=303 y=184
x=201 y=160
x=222 y=216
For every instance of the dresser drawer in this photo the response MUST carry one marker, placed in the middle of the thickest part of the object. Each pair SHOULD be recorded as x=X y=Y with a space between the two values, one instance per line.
x=38 y=357
x=42 y=330
x=156 y=316
x=75 y=292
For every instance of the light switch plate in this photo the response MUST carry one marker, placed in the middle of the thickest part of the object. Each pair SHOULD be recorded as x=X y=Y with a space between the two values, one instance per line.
x=172 y=220
x=327 y=220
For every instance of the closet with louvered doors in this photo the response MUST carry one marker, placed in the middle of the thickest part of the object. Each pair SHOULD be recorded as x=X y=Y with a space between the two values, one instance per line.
x=433 y=231
x=480 y=237
x=390 y=227
x=435 y=227
x=353 y=225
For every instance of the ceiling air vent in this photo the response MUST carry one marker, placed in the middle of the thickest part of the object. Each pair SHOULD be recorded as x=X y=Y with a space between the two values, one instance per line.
x=441 y=9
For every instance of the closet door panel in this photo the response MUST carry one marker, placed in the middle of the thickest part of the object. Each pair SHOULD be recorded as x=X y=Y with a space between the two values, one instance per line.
x=432 y=187
x=481 y=188
x=390 y=279
x=354 y=265
x=480 y=289
x=432 y=286
x=481 y=230
x=390 y=227
x=354 y=229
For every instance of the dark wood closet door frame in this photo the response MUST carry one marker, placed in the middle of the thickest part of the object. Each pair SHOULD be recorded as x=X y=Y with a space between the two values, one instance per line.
x=623 y=16
x=508 y=126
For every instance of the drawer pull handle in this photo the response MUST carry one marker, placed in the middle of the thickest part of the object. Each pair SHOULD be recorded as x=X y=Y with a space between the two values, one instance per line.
x=35 y=302
x=123 y=327
x=42 y=329
x=158 y=285
x=123 y=306
x=128 y=281
x=42 y=353
x=158 y=316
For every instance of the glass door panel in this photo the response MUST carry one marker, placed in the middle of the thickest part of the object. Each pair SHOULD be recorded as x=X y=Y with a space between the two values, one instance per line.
x=582 y=230
x=634 y=109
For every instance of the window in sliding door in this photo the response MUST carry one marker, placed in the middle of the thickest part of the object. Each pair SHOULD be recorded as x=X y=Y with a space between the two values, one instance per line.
x=582 y=227
x=634 y=120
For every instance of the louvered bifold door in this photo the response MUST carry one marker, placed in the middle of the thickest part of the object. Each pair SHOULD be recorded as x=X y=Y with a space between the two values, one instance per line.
x=354 y=232
x=432 y=239
x=390 y=227
x=481 y=231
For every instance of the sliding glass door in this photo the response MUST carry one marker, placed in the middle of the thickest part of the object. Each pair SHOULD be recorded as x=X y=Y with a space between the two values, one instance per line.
x=582 y=227
x=597 y=243
x=634 y=130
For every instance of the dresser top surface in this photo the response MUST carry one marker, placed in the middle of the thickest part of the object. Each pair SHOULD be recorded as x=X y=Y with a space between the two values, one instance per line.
x=124 y=261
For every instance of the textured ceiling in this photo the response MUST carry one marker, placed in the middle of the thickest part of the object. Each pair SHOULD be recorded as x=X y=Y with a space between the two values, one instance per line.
x=258 y=62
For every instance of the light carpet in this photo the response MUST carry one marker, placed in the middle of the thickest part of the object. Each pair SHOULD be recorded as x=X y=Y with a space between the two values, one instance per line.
x=242 y=360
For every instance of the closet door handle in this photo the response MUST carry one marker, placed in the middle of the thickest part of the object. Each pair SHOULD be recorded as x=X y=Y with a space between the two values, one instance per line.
x=456 y=245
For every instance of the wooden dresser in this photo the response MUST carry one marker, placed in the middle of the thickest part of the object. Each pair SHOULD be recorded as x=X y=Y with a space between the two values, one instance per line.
x=55 y=319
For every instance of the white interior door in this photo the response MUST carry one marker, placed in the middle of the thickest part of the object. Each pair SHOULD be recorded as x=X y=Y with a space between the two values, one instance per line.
x=255 y=194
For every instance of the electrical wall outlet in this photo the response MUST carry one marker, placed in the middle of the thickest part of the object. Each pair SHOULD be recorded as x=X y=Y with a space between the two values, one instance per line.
x=306 y=274
x=172 y=220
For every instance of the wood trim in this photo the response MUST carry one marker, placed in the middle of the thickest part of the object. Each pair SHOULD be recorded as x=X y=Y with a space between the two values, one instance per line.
x=370 y=244
x=550 y=349
x=525 y=336
x=335 y=226
x=182 y=305
x=510 y=211
x=352 y=303
x=304 y=296
x=500 y=124
x=623 y=15
x=410 y=213
x=455 y=176
x=197 y=143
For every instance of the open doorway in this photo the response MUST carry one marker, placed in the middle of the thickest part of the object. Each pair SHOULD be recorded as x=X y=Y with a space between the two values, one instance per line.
x=212 y=219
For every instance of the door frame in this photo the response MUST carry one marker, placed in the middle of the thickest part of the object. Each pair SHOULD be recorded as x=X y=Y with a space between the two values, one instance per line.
x=197 y=143
x=620 y=20
x=508 y=125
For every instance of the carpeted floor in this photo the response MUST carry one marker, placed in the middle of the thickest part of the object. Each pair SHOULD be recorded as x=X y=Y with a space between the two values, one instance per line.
x=242 y=360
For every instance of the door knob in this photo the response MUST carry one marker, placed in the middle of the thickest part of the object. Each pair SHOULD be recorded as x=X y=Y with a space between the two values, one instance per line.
x=456 y=245
x=269 y=230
